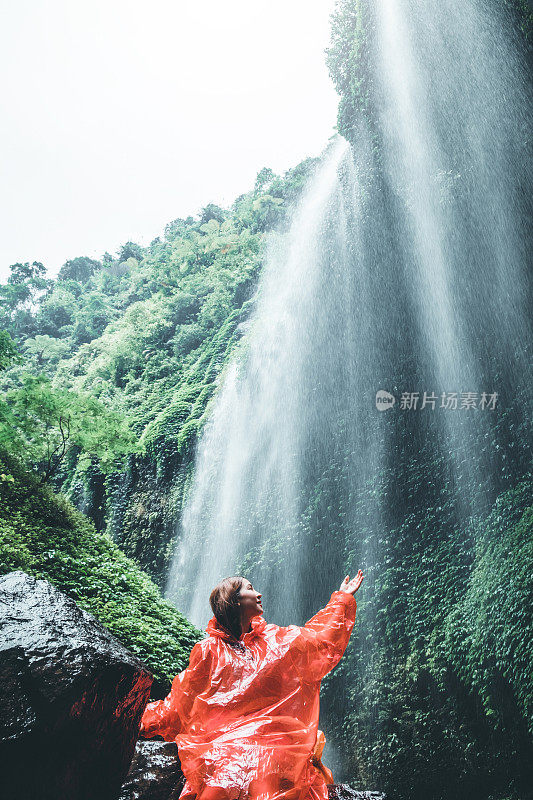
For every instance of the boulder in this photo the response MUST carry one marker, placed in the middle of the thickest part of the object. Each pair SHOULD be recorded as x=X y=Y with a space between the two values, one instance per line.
x=155 y=772
x=71 y=697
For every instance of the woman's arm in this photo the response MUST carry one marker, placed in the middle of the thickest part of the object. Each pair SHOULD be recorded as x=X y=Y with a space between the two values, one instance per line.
x=325 y=637
x=167 y=717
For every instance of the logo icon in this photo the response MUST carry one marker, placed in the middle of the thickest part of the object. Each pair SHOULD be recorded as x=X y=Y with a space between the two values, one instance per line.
x=384 y=400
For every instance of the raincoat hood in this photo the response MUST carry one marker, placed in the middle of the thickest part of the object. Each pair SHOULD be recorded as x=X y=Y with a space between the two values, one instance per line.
x=214 y=628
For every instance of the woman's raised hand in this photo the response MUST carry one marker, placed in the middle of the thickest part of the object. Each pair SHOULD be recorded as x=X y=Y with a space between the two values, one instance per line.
x=351 y=586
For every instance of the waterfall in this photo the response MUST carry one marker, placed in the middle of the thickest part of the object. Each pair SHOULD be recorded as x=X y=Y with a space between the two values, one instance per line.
x=404 y=269
x=251 y=460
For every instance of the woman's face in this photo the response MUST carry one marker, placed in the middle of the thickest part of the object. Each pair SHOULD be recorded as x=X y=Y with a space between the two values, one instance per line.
x=249 y=600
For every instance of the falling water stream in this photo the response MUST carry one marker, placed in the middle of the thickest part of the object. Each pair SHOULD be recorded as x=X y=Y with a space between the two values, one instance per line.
x=419 y=260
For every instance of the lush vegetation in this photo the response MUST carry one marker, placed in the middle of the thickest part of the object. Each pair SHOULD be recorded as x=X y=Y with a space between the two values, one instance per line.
x=441 y=670
x=120 y=357
x=42 y=534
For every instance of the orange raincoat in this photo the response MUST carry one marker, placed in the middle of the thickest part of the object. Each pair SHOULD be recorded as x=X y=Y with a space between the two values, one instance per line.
x=244 y=714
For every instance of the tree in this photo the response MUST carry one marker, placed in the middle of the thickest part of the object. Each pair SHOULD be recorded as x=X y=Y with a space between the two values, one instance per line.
x=78 y=269
x=264 y=179
x=91 y=319
x=177 y=227
x=25 y=285
x=42 y=423
x=28 y=274
x=211 y=211
x=45 y=348
x=130 y=250
x=267 y=211
x=8 y=352
x=56 y=313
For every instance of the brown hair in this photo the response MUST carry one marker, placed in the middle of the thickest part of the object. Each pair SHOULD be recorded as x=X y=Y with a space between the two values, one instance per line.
x=224 y=601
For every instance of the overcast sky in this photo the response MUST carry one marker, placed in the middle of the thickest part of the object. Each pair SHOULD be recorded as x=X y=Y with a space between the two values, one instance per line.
x=120 y=115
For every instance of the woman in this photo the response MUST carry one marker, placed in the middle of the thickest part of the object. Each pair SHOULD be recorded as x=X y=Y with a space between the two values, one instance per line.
x=244 y=714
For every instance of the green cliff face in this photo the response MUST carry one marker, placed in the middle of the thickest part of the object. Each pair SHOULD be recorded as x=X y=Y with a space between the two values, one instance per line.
x=437 y=684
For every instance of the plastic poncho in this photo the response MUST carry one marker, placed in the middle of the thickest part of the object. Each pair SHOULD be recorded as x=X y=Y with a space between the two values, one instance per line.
x=244 y=714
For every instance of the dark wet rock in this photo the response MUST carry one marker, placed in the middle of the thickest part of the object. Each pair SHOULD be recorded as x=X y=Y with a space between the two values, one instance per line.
x=155 y=772
x=341 y=791
x=71 y=697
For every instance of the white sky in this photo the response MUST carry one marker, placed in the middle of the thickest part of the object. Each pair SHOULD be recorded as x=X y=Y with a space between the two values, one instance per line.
x=119 y=115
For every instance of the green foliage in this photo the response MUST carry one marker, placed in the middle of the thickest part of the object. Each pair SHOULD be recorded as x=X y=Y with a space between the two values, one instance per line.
x=130 y=250
x=78 y=269
x=212 y=212
x=489 y=631
x=92 y=318
x=58 y=309
x=45 y=349
x=145 y=335
x=25 y=286
x=42 y=534
x=352 y=26
x=264 y=179
x=8 y=352
x=43 y=422
x=440 y=673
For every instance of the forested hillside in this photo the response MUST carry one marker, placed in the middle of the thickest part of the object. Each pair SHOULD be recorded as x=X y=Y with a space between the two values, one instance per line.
x=119 y=358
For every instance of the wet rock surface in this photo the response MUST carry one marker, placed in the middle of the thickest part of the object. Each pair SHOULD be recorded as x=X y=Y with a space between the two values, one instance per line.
x=155 y=772
x=342 y=791
x=71 y=697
